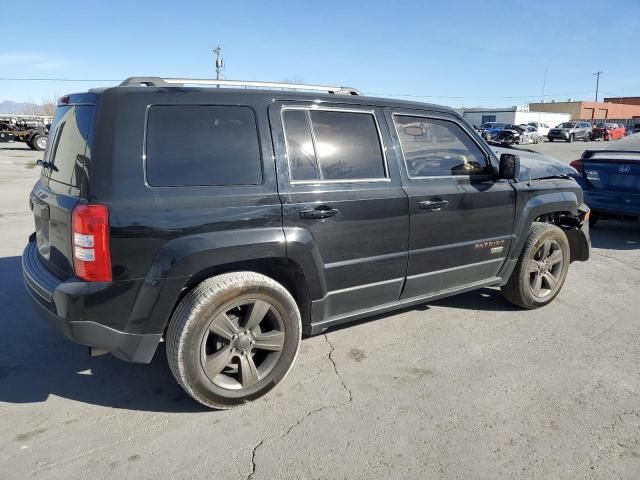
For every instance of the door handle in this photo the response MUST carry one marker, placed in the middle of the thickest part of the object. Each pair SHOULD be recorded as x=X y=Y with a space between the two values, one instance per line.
x=323 y=211
x=433 y=205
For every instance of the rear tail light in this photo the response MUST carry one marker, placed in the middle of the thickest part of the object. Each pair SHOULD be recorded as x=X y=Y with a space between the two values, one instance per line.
x=577 y=164
x=91 y=256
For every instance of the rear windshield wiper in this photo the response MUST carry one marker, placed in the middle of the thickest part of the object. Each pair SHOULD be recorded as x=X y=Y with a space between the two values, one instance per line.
x=47 y=164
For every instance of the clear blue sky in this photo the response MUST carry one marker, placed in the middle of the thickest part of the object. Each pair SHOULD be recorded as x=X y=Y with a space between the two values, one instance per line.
x=479 y=50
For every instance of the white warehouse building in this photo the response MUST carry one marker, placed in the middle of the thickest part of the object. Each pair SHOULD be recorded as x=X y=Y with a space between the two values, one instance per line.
x=514 y=115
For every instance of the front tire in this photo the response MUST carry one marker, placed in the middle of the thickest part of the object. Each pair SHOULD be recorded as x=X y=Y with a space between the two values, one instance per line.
x=233 y=338
x=570 y=139
x=541 y=269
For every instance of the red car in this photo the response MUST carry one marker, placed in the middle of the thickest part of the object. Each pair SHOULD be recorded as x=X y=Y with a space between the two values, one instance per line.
x=608 y=131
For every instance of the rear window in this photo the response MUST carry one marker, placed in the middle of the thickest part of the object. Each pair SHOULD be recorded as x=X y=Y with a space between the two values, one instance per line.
x=67 y=146
x=201 y=145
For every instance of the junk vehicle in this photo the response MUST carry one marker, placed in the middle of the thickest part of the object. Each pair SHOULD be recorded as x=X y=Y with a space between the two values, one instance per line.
x=230 y=221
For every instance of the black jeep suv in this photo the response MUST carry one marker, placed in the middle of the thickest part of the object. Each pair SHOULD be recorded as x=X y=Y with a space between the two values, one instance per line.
x=231 y=221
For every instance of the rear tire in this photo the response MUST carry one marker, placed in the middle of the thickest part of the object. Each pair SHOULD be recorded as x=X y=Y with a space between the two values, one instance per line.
x=550 y=139
x=233 y=338
x=38 y=142
x=542 y=268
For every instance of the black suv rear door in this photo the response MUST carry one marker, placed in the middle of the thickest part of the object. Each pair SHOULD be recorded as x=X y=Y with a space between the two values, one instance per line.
x=343 y=198
x=461 y=217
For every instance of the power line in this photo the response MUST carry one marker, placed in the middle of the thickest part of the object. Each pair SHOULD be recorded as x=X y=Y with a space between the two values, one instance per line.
x=407 y=95
x=477 y=97
x=59 y=79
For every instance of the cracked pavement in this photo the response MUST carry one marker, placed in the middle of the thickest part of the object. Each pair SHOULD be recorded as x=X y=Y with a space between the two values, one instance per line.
x=462 y=388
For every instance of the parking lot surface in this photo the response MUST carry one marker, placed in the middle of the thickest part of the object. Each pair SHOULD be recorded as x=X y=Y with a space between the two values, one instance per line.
x=567 y=152
x=468 y=387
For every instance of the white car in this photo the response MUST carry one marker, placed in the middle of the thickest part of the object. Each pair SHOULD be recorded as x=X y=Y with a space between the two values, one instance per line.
x=541 y=128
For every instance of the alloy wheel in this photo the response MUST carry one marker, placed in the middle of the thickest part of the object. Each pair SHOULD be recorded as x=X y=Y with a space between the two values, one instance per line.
x=242 y=343
x=545 y=269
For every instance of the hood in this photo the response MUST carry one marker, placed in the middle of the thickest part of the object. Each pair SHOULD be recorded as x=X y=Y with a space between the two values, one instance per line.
x=536 y=165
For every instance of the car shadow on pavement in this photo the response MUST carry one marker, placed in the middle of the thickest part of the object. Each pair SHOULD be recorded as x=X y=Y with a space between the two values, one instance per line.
x=485 y=299
x=27 y=149
x=37 y=362
x=615 y=235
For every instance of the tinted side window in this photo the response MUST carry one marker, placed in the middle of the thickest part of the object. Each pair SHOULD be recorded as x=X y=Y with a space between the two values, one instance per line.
x=300 y=152
x=333 y=145
x=189 y=145
x=437 y=148
x=347 y=145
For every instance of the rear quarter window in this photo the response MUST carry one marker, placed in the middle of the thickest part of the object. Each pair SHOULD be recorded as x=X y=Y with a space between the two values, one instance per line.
x=67 y=150
x=202 y=145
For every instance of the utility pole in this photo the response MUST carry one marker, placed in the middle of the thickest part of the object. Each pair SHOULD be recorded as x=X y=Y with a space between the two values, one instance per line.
x=219 y=62
x=597 y=74
x=544 y=83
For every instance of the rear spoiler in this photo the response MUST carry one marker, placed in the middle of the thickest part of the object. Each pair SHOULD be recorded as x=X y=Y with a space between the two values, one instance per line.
x=591 y=153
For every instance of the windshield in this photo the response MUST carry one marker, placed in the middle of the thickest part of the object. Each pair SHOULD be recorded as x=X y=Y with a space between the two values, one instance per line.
x=567 y=125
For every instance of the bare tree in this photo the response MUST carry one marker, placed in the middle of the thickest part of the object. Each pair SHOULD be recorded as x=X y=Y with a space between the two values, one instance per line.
x=49 y=106
x=31 y=108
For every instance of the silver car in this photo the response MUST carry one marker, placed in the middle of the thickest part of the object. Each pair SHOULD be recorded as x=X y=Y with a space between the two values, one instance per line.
x=570 y=131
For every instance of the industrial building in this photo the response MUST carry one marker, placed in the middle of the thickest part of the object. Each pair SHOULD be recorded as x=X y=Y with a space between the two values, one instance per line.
x=590 y=110
x=514 y=115
x=625 y=100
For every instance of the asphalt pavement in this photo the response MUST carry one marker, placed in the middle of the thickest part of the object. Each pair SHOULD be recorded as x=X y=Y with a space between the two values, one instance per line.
x=567 y=152
x=463 y=388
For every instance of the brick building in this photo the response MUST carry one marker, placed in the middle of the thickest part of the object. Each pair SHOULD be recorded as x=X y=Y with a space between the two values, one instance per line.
x=590 y=110
x=625 y=100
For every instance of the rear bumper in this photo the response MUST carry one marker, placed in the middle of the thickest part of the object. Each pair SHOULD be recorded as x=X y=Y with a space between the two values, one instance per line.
x=613 y=202
x=61 y=303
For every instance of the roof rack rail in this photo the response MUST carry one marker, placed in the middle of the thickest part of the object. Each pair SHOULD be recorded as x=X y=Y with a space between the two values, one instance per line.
x=159 y=82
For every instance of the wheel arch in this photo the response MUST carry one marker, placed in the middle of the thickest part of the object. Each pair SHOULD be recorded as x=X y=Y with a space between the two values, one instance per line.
x=185 y=261
x=281 y=269
x=562 y=208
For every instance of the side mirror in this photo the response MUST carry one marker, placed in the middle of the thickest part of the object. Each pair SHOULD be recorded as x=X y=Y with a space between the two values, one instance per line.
x=509 y=166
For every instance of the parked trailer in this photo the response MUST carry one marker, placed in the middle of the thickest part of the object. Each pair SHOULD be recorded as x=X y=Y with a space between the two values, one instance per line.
x=34 y=135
